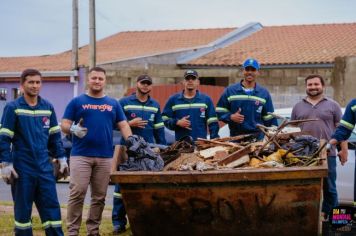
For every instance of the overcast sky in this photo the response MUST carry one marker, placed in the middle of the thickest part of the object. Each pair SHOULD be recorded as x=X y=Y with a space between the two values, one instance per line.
x=39 y=27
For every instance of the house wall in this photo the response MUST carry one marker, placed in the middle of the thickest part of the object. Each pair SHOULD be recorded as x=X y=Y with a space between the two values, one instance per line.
x=58 y=93
x=344 y=79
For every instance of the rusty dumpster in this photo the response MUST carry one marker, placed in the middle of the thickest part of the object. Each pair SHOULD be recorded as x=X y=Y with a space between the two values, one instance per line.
x=276 y=201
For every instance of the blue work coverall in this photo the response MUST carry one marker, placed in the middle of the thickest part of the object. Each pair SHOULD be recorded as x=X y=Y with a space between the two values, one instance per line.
x=32 y=132
x=150 y=111
x=152 y=133
x=347 y=122
x=201 y=113
x=254 y=107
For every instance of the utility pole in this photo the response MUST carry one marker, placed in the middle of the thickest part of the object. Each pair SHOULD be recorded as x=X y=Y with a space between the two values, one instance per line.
x=92 y=40
x=75 y=35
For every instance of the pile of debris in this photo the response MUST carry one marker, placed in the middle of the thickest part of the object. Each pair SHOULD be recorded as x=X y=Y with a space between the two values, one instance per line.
x=280 y=148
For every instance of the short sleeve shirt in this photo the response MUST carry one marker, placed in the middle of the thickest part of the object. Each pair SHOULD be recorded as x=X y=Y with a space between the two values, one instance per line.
x=100 y=116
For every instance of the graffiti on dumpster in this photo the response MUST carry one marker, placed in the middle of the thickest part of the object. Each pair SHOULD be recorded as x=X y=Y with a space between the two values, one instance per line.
x=202 y=211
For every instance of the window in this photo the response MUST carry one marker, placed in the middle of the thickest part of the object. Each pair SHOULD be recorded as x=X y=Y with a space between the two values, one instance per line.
x=3 y=94
x=16 y=92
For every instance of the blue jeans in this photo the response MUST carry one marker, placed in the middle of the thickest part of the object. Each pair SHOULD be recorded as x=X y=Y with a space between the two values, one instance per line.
x=329 y=187
x=118 y=216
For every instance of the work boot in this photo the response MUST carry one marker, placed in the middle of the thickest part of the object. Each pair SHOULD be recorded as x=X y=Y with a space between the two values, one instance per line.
x=119 y=229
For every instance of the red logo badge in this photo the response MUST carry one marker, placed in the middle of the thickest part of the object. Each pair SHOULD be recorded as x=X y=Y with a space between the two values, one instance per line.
x=133 y=115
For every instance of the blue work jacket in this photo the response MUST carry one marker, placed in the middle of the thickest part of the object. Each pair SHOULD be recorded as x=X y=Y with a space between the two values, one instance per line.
x=254 y=107
x=347 y=122
x=201 y=113
x=28 y=134
x=150 y=111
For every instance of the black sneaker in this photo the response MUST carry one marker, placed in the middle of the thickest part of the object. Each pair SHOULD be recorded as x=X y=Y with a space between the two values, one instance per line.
x=119 y=229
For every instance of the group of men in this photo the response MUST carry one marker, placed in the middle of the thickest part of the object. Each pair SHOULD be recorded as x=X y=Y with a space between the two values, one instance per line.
x=30 y=131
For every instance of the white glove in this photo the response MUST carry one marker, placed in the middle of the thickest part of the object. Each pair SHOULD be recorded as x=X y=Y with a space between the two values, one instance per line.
x=8 y=172
x=78 y=130
x=63 y=165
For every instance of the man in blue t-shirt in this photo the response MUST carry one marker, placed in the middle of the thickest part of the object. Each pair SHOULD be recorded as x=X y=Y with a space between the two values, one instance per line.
x=91 y=118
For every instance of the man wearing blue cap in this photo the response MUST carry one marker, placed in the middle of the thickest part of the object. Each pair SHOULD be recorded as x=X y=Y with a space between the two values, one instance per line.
x=190 y=112
x=245 y=104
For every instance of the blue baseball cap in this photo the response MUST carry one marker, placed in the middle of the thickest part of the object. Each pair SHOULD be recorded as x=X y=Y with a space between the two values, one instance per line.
x=191 y=73
x=251 y=62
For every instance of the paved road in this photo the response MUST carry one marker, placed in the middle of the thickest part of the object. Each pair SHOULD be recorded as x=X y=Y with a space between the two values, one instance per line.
x=62 y=191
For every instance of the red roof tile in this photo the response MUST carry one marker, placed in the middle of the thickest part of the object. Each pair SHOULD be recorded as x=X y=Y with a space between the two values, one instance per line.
x=120 y=46
x=296 y=44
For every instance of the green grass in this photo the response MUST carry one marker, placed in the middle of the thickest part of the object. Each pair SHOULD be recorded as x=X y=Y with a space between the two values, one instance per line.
x=7 y=223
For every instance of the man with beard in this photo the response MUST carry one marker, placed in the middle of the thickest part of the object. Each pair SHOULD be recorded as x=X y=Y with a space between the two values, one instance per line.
x=90 y=118
x=190 y=112
x=29 y=132
x=245 y=104
x=144 y=117
x=328 y=113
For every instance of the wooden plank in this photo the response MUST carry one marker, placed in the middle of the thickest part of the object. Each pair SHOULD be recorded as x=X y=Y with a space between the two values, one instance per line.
x=236 y=155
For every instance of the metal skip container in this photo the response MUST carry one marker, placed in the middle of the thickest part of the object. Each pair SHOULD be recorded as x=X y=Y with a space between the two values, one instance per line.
x=274 y=201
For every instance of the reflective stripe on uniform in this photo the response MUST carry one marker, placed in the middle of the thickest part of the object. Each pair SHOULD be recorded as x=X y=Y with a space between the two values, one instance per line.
x=187 y=106
x=221 y=109
x=117 y=195
x=137 y=107
x=54 y=129
x=353 y=108
x=25 y=112
x=158 y=125
x=164 y=118
x=268 y=117
x=23 y=226
x=245 y=97
x=212 y=119
x=52 y=224
x=7 y=132
x=347 y=124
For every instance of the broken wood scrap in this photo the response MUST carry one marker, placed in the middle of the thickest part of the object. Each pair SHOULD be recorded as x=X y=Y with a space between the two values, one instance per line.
x=236 y=155
x=287 y=136
x=201 y=142
x=239 y=162
x=280 y=128
x=210 y=152
x=234 y=138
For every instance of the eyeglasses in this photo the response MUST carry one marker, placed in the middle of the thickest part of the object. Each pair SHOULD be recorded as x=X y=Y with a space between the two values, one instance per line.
x=146 y=82
x=250 y=68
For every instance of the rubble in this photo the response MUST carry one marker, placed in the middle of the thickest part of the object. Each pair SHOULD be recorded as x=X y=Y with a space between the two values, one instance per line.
x=283 y=147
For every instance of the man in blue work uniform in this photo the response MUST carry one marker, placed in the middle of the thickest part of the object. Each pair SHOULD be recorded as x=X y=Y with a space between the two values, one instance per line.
x=245 y=104
x=30 y=125
x=144 y=117
x=345 y=129
x=190 y=112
